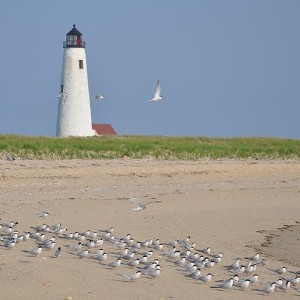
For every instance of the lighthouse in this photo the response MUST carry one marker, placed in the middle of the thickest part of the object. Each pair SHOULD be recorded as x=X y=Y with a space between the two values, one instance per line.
x=74 y=110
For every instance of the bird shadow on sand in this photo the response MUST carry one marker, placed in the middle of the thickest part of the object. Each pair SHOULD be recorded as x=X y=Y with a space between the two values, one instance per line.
x=124 y=280
x=106 y=267
x=233 y=289
x=25 y=261
x=218 y=288
x=28 y=253
x=260 y=293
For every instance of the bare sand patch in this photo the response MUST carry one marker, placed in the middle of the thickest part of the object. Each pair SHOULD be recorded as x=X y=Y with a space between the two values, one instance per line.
x=230 y=206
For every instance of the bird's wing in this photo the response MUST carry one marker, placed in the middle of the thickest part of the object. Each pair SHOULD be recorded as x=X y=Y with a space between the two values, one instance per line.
x=157 y=201
x=158 y=90
x=137 y=201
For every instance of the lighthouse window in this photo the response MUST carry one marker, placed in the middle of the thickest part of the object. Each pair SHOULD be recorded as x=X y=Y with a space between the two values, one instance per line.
x=80 y=64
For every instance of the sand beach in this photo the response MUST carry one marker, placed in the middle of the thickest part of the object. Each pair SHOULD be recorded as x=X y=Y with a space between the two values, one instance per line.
x=239 y=208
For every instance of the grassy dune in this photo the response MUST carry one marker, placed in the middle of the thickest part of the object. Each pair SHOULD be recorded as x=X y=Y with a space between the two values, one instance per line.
x=185 y=148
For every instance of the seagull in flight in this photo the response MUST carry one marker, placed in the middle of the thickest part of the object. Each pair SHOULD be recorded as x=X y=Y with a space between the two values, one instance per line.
x=62 y=95
x=99 y=97
x=157 y=95
x=139 y=205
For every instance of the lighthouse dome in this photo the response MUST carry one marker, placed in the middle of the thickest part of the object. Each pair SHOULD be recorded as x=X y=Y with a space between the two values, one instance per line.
x=74 y=31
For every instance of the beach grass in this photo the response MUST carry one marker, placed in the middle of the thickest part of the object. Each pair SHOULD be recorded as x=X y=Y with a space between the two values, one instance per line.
x=160 y=147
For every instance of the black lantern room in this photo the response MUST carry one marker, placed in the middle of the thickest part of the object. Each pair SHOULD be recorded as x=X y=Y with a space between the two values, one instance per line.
x=74 y=39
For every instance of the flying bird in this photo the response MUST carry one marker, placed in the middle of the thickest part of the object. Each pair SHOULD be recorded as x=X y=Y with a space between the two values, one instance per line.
x=99 y=97
x=62 y=95
x=157 y=95
x=139 y=205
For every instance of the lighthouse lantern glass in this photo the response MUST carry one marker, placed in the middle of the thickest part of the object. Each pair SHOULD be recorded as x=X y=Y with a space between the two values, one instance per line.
x=74 y=40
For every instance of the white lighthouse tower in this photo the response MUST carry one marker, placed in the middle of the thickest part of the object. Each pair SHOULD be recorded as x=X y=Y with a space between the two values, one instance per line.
x=74 y=111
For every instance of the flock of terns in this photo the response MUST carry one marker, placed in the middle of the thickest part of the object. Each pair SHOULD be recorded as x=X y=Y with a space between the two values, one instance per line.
x=157 y=95
x=145 y=258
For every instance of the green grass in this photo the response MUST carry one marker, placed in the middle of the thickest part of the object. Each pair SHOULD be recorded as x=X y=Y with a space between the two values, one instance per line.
x=185 y=148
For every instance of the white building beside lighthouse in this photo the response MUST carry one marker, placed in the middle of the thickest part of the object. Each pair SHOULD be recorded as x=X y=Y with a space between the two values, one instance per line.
x=74 y=110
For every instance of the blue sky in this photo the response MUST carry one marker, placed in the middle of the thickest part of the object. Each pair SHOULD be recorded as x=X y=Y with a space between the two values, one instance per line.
x=227 y=68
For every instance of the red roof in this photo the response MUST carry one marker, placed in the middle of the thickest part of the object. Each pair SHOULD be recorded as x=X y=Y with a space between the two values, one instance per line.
x=104 y=129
